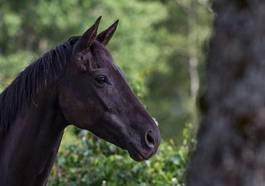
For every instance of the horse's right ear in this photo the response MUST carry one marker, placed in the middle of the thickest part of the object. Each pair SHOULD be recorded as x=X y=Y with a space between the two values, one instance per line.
x=105 y=36
x=88 y=38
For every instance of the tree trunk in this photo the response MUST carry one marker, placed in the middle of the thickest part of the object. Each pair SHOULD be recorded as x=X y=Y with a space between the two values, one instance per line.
x=231 y=139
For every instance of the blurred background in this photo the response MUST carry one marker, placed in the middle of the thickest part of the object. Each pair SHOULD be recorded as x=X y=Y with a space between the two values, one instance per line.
x=161 y=47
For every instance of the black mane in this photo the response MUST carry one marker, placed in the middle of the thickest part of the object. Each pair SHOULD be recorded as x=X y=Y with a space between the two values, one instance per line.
x=29 y=82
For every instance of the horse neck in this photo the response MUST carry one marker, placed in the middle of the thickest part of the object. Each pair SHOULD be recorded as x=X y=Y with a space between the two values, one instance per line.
x=32 y=142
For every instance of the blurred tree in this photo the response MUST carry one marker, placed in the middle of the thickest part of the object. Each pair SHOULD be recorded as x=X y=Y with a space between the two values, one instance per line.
x=231 y=148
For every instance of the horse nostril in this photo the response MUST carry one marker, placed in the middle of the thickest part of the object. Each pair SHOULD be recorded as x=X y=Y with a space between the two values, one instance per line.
x=149 y=139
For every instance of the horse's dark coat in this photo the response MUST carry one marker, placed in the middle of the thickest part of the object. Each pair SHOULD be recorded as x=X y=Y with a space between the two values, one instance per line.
x=33 y=79
x=76 y=82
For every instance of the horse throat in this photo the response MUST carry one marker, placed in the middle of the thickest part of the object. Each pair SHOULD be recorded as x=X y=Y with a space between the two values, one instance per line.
x=31 y=143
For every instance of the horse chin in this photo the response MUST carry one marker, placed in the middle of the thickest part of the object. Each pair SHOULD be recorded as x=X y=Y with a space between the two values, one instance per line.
x=136 y=155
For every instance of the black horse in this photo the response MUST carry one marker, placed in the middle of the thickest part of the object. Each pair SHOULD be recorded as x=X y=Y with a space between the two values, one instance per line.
x=75 y=83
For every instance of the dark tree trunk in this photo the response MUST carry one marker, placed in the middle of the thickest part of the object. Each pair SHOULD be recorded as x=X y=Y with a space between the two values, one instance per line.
x=231 y=140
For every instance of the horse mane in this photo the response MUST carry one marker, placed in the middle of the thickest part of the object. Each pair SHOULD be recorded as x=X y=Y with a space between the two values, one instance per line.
x=34 y=78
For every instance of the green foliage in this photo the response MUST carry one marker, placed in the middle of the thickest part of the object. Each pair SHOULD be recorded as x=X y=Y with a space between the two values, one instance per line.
x=182 y=38
x=44 y=24
x=9 y=66
x=94 y=162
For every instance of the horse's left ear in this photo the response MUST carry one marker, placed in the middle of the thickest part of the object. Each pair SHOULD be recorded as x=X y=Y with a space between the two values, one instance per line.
x=88 y=38
x=105 y=36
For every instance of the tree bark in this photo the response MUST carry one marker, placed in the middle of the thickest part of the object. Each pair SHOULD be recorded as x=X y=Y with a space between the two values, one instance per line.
x=231 y=138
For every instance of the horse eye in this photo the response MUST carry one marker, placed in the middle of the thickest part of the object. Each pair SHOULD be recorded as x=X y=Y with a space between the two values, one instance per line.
x=101 y=79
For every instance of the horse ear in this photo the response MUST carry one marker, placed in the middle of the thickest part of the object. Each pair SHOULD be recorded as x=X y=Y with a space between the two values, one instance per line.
x=105 y=36
x=88 y=38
